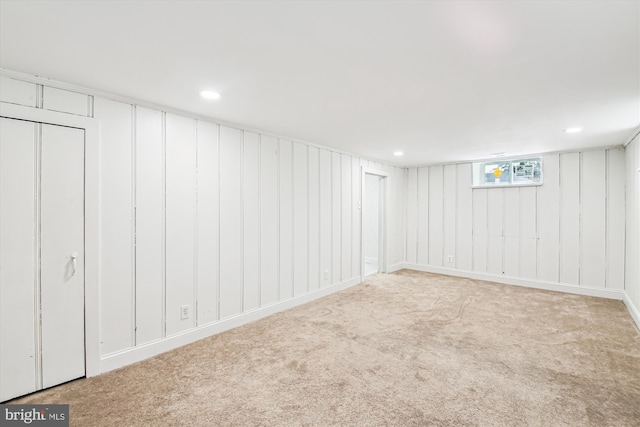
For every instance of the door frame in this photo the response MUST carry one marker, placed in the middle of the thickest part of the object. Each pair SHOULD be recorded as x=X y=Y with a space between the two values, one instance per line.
x=382 y=219
x=91 y=217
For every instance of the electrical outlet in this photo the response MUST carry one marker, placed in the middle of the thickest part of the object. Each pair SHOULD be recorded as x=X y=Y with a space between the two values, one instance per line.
x=326 y=275
x=184 y=312
x=450 y=258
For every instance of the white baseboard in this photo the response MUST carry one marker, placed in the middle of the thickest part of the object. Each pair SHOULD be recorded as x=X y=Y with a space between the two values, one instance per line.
x=131 y=355
x=633 y=310
x=529 y=283
x=396 y=267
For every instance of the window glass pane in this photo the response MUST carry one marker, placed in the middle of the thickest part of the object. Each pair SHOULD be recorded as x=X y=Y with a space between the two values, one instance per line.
x=526 y=171
x=497 y=173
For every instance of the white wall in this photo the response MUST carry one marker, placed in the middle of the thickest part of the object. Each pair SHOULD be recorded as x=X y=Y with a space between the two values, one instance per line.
x=220 y=219
x=233 y=222
x=632 y=265
x=568 y=231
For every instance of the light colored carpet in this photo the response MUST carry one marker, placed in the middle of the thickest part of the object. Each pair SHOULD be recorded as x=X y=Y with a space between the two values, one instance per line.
x=406 y=349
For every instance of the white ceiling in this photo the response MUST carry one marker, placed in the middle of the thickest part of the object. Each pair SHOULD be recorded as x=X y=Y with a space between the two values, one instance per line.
x=442 y=81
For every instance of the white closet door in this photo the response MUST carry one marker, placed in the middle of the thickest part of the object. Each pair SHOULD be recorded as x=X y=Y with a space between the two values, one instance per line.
x=17 y=258
x=41 y=256
x=62 y=254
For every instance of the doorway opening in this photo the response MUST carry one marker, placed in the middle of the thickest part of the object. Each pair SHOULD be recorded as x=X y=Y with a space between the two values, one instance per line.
x=373 y=222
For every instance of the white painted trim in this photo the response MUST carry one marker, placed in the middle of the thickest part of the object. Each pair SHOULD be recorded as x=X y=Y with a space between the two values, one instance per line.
x=505 y=185
x=131 y=355
x=396 y=267
x=92 y=302
x=633 y=310
x=528 y=283
x=16 y=75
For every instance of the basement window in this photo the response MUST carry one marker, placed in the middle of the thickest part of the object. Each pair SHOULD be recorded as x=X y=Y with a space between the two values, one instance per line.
x=511 y=172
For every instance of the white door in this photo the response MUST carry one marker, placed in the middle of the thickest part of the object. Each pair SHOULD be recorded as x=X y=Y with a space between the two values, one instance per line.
x=41 y=256
x=373 y=223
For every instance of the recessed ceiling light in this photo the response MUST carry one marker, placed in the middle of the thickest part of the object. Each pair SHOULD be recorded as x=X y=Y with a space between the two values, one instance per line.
x=398 y=153
x=572 y=130
x=500 y=154
x=209 y=94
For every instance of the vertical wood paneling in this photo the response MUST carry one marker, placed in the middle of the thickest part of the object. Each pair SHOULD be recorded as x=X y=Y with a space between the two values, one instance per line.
x=532 y=232
x=149 y=219
x=495 y=210
x=180 y=221
x=528 y=233
x=251 y=207
x=347 y=207
x=449 y=219
x=436 y=221
x=394 y=226
x=188 y=211
x=593 y=225
x=399 y=214
x=422 y=226
x=269 y=231
x=17 y=92
x=231 y=222
x=548 y=216
x=300 y=219
x=208 y=222
x=286 y=219
x=336 y=218
x=480 y=235
x=412 y=215
x=464 y=218
x=615 y=218
x=116 y=225
x=65 y=101
x=356 y=216
x=325 y=218
x=570 y=218
x=632 y=230
x=314 y=218
x=511 y=197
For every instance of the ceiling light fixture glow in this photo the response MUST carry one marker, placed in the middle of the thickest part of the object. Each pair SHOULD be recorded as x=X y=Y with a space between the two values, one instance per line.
x=500 y=154
x=209 y=94
x=398 y=153
x=572 y=130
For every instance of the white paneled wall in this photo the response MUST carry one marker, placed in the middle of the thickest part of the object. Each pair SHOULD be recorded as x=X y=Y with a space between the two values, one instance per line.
x=180 y=222
x=208 y=223
x=117 y=256
x=632 y=264
x=226 y=221
x=231 y=222
x=149 y=224
x=569 y=230
x=213 y=218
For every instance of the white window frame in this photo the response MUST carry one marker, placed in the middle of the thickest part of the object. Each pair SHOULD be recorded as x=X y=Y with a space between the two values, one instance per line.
x=477 y=174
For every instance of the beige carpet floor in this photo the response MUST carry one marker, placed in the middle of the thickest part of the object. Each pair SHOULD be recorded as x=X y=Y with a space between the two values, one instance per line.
x=406 y=349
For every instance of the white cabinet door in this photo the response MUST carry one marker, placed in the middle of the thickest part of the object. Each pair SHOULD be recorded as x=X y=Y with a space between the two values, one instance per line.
x=62 y=254
x=41 y=256
x=18 y=268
